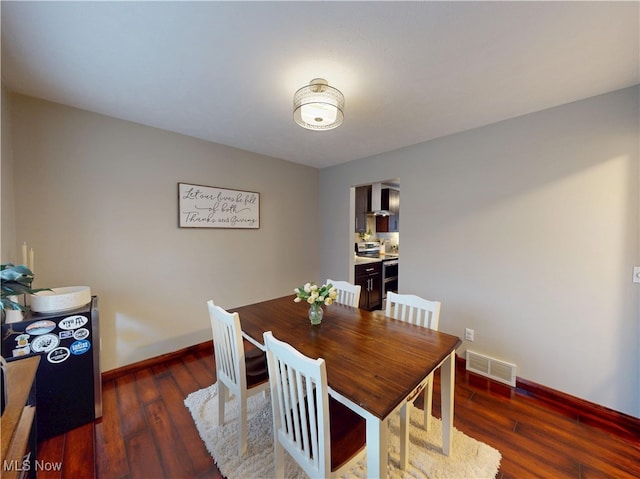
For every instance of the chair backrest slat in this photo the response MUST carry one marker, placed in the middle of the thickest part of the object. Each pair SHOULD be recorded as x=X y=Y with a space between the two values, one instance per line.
x=348 y=293
x=413 y=309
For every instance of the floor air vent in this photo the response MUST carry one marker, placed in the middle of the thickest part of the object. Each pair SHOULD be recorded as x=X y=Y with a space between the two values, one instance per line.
x=491 y=368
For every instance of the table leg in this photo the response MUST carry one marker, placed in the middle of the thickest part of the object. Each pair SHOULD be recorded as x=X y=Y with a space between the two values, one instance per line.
x=447 y=385
x=377 y=452
x=404 y=435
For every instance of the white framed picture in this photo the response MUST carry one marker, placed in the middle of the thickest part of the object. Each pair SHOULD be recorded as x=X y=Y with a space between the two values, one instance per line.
x=212 y=207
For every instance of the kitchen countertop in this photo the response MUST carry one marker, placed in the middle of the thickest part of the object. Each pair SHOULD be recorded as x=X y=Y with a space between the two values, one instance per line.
x=381 y=258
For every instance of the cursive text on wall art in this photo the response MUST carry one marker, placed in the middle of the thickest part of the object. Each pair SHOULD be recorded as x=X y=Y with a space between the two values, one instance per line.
x=211 y=207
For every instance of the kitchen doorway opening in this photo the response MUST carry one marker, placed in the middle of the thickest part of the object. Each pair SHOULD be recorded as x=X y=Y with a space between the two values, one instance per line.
x=375 y=240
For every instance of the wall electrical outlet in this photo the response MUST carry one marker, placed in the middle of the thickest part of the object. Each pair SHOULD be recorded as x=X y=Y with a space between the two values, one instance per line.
x=468 y=334
x=636 y=274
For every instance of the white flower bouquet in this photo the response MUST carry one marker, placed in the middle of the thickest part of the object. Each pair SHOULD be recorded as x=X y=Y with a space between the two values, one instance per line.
x=315 y=295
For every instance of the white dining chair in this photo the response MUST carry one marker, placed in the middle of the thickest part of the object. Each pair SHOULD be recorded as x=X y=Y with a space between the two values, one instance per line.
x=348 y=293
x=413 y=309
x=422 y=312
x=322 y=435
x=240 y=373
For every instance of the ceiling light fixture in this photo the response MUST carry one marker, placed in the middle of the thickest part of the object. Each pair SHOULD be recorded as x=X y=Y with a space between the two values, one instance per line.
x=318 y=106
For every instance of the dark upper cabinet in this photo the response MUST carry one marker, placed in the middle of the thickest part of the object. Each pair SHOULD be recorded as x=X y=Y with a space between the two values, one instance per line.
x=363 y=206
x=391 y=203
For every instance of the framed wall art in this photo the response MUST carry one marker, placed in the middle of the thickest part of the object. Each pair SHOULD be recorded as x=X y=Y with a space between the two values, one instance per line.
x=211 y=207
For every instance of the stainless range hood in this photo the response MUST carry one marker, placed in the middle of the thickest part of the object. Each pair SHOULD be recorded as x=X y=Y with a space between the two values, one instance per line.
x=376 y=201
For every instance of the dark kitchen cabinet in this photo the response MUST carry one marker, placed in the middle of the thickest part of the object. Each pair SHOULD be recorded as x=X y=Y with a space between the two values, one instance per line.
x=369 y=277
x=390 y=202
x=363 y=206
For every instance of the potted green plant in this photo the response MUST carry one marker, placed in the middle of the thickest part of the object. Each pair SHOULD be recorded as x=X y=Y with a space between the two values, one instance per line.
x=365 y=235
x=16 y=281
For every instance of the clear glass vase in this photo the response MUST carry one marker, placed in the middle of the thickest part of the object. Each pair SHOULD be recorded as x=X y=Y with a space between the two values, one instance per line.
x=315 y=313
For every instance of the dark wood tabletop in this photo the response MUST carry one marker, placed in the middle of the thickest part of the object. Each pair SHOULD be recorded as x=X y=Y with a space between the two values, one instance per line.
x=372 y=360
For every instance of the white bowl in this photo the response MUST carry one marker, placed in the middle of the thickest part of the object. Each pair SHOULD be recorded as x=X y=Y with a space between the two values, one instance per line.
x=60 y=299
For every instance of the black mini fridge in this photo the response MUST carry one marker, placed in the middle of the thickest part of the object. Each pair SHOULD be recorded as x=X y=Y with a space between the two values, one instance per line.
x=68 y=382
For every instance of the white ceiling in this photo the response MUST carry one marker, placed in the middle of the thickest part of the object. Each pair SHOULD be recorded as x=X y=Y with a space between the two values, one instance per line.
x=227 y=71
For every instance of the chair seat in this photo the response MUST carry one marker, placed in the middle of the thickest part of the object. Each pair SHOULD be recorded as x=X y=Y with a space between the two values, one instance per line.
x=256 y=367
x=253 y=353
x=348 y=433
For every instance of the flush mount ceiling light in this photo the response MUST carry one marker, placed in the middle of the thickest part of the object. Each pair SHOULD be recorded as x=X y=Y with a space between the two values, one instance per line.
x=318 y=106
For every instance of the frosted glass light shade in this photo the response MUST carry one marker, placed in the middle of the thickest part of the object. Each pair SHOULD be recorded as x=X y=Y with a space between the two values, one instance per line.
x=318 y=106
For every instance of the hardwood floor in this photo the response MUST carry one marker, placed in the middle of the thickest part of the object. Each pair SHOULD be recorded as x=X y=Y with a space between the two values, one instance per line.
x=146 y=431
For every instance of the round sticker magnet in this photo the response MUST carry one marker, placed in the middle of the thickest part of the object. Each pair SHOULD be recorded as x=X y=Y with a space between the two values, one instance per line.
x=81 y=333
x=58 y=355
x=80 y=347
x=45 y=343
x=73 y=322
x=40 y=327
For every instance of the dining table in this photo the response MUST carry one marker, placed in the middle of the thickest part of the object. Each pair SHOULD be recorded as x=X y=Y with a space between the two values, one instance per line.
x=374 y=363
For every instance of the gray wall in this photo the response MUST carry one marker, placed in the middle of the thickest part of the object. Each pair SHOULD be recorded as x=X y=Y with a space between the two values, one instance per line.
x=527 y=231
x=96 y=197
x=8 y=225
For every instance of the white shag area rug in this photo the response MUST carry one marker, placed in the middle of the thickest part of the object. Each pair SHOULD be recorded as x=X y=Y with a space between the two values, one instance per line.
x=469 y=458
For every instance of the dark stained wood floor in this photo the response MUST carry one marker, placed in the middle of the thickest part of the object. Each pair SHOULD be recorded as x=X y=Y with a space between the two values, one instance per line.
x=146 y=431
